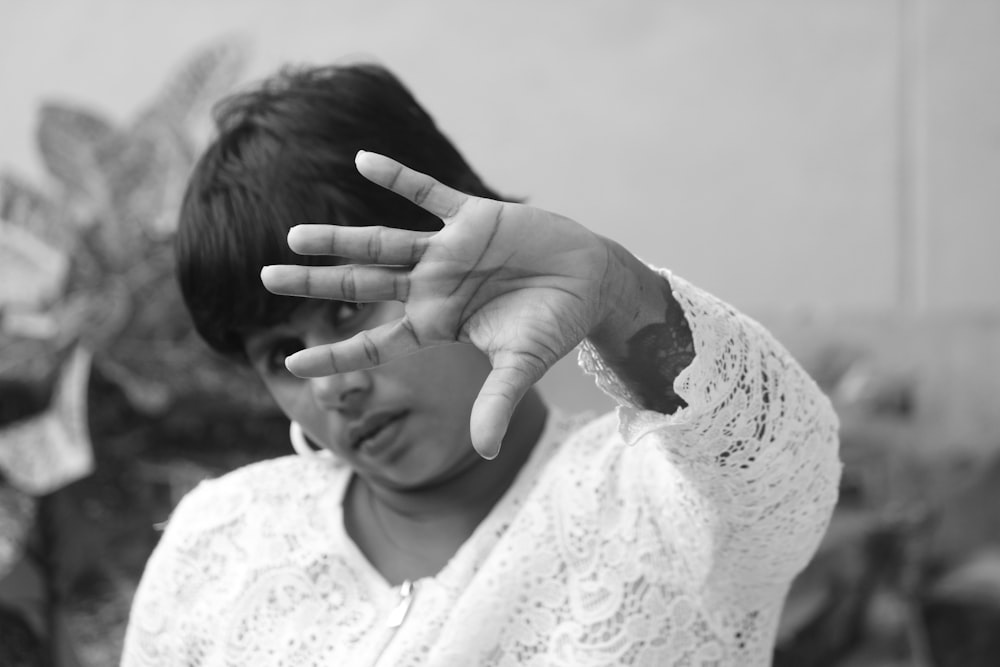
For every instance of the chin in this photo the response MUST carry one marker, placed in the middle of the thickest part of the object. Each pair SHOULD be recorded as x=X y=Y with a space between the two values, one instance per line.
x=427 y=475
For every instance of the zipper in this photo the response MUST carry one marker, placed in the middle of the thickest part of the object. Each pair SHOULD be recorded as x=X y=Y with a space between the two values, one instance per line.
x=398 y=615
x=394 y=620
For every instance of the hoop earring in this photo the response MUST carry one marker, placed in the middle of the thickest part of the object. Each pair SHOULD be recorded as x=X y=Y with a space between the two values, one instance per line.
x=301 y=445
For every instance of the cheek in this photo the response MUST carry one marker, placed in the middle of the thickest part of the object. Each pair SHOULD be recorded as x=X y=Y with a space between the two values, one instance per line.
x=450 y=375
x=293 y=397
x=286 y=392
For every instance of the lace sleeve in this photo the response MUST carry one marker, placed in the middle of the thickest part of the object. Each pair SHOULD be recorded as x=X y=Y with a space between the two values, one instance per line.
x=756 y=445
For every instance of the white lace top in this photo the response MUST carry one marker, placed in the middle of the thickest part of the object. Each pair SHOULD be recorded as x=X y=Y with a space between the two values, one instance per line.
x=632 y=539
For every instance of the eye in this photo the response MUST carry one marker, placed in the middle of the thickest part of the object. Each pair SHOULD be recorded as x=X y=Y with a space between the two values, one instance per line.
x=280 y=351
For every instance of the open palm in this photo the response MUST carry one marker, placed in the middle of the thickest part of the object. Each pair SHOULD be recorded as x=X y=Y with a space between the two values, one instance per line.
x=521 y=284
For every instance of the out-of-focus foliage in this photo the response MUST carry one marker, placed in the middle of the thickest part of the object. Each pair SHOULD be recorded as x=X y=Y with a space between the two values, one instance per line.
x=88 y=302
x=908 y=574
x=86 y=265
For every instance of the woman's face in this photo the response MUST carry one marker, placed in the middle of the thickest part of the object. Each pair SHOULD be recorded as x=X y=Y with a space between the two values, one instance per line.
x=404 y=424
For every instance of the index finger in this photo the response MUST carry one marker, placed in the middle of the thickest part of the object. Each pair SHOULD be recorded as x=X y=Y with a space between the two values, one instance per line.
x=421 y=189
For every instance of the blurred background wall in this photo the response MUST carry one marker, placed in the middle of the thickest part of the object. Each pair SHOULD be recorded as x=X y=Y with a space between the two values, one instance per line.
x=832 y=167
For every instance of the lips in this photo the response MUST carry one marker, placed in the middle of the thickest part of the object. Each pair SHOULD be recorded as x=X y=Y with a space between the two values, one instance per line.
x=371 y=424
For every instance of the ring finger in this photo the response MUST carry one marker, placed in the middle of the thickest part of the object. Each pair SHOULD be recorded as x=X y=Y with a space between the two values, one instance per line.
x=350 y=282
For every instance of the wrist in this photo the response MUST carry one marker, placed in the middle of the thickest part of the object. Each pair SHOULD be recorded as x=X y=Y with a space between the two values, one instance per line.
x=643 y=335
x=630 y=296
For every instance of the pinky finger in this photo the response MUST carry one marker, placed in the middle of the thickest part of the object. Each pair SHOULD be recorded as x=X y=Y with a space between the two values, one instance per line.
x=372 y=347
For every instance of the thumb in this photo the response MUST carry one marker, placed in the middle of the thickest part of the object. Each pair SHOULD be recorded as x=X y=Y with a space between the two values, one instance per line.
x=512 y=376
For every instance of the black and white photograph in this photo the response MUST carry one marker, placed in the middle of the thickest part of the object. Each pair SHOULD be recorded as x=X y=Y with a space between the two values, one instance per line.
x=467 y=334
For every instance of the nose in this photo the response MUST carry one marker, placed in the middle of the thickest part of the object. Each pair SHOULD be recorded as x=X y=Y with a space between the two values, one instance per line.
x=347 y=393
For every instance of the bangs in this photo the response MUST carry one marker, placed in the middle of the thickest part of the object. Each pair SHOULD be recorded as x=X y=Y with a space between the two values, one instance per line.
x=284 y=156
x=220 y=259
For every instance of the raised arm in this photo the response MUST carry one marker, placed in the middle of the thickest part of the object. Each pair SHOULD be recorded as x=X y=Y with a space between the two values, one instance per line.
x=751 y=433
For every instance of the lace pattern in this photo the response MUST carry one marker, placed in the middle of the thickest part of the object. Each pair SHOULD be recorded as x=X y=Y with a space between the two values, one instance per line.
x=631 y=539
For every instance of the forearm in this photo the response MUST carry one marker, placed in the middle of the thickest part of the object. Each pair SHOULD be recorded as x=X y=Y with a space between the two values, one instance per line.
x=644 y=337
x=757 y=443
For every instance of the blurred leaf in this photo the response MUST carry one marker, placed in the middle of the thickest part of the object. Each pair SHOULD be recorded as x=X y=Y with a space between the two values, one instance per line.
x=962 y=614
x=148 y=395
x=151 y=165
x=114 y=220
x=44 y=453
x=807 y=600
x=976 y=580
x=28 y=208
x=29 y=324
x=199 y=83
x=887 y=614
x=31 y=361
x=17 y=515
x=103 y=313
x=69 y=140
x=968 y=521
x=23 y=254
x=148 y=179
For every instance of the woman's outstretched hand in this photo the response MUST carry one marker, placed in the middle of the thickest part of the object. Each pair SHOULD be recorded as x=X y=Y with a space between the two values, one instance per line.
x=523 y=285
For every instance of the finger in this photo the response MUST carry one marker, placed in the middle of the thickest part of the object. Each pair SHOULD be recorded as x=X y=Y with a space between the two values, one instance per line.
x=349 y=282
x=362 y=245
x=369 y=348
x=503 y=389
x=421 y=189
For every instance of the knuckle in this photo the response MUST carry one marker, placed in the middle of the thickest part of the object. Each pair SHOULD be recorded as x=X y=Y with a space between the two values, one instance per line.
x=307 y=281
x=407 y=325
x=401 y=289
x=371 y=349
x=453 y=209
x=375 y=244
x=422 y=193
x=348 y=289
x=415 y=250
x=397 y=172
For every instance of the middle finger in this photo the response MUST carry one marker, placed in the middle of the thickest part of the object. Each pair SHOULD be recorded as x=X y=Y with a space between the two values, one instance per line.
x=363 y=245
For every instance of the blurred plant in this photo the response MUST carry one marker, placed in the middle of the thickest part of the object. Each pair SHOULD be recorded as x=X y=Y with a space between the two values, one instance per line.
x=86 y=271
x=908 y=573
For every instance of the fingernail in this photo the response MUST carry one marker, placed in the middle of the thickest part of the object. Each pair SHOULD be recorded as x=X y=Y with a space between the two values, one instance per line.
x=291 y=363
x=278 y=278
x=276 y=272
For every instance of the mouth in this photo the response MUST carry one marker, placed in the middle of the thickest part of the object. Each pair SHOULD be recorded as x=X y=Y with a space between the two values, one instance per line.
x=369 y=427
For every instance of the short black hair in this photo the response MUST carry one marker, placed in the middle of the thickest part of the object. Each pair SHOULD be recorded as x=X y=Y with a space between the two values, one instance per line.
x=284 y=155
